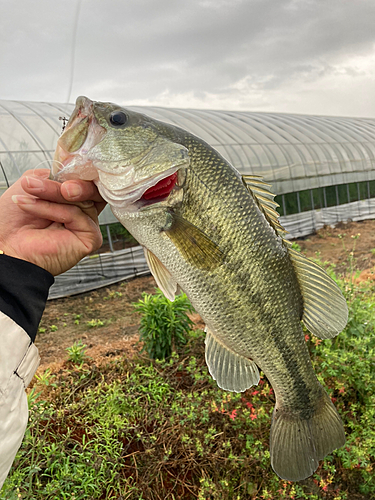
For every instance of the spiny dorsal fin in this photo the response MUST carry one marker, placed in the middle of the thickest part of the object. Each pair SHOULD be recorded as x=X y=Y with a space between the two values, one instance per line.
x=264 y=199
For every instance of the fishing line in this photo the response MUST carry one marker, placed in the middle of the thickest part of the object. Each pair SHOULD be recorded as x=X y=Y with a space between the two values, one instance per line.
x=48 y=161
x=73 y=52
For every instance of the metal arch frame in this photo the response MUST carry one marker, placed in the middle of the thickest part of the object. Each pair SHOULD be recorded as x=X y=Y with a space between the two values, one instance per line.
x=38 y=114
x=263 y=145
x=32 y=135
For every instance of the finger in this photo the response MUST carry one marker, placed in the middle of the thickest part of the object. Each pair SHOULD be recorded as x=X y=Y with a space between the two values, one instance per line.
x=83 y=223
x=88 y=207
x=51 y=191
x=77 y=190
x=38 y=172
x=43 y=188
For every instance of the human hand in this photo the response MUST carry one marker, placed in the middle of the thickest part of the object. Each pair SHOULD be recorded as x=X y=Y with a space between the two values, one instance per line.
x=50 y=224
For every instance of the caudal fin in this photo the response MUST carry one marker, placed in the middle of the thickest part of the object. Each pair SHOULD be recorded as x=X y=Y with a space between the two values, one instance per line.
x=297 y=444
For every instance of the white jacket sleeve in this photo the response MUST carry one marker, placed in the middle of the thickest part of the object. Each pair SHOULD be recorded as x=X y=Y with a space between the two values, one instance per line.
x=23 y=294
x=19 y=360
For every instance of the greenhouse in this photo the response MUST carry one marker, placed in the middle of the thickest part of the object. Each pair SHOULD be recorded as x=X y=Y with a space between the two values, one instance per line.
x=322 y=169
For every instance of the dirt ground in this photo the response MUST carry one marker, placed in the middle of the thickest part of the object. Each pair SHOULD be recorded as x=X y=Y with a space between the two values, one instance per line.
x=105 y=321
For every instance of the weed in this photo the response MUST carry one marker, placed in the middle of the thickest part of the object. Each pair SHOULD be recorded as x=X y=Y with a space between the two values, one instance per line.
x=164 y=324
x=350 y=252
x=77 y=352
x=113 y=295
x=296 y=246
x=94 y=323
x=45 y=378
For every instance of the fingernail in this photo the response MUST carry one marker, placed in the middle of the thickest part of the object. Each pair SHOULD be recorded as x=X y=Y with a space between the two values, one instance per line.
x=87 y=204
x=44 y=173
x=20 y=199
x=34 y=183
x=74 y=190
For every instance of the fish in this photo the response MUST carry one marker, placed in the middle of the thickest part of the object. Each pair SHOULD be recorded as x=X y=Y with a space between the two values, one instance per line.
x=216 y=235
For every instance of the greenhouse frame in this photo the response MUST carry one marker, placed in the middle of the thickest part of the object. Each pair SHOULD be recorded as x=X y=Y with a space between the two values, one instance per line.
x=322 y=169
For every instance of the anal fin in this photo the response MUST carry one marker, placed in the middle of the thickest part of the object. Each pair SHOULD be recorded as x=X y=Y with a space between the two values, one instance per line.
x=163 y=277
x=231 y=371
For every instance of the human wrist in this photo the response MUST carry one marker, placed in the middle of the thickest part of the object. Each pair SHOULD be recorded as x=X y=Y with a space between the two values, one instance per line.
x=24 y=288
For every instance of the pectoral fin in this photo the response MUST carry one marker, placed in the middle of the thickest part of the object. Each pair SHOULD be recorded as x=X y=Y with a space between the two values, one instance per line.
x=195 y=246
x=231 y=371
x=325 y=312
x=163 y=277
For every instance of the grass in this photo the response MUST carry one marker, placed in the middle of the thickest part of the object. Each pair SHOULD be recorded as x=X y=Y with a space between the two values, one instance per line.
x=147 y=429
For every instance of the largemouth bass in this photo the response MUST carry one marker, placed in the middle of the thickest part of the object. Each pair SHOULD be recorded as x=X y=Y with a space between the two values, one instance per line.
x=216 y=235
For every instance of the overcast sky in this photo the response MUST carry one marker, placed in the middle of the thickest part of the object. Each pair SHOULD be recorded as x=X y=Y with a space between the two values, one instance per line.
x=299 y=56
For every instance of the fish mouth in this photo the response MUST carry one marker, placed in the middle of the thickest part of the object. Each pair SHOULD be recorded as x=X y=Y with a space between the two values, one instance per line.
x=120 y=189
x=82 y=133
x=154 y=191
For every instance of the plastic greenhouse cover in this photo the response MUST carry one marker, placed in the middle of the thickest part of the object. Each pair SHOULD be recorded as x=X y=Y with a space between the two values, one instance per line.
x=292 y=152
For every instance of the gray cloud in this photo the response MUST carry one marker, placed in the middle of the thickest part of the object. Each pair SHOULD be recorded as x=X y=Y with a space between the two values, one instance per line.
x=309 y=56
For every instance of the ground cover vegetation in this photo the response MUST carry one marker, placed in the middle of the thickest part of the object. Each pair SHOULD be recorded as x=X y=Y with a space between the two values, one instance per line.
x=146 y=428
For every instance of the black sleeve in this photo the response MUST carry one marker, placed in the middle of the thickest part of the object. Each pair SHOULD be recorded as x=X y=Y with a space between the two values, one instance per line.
x=24 y=290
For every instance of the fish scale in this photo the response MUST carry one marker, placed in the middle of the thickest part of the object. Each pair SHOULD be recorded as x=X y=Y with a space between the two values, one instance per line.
x=216 y=235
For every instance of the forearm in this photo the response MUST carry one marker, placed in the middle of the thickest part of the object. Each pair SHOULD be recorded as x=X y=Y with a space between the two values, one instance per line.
x=23 y=292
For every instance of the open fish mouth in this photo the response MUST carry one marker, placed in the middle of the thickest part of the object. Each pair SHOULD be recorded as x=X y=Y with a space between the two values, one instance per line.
x=137 y=196
x=120 y=189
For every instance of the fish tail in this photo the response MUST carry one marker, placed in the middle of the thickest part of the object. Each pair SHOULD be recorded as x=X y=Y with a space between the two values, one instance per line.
x=299 y=440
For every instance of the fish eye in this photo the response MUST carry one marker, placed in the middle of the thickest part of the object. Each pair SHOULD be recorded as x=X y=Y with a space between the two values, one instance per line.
x=118 y=118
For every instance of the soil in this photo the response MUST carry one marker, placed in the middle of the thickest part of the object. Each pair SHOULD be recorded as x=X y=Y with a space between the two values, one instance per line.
x=105 y=321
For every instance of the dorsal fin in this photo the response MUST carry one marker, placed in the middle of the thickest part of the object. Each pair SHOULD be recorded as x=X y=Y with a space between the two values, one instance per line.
x=265 y=200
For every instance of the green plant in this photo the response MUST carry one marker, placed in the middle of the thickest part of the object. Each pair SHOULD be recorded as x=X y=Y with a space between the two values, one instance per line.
x=350 y=252
x=295 y=246
x=164 y=324
x=93 y=323
x=77 y=352
x=113 y=295
x=45 y=378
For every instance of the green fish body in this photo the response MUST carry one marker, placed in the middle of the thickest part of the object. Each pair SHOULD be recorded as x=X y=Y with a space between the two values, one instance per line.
x=216 y=235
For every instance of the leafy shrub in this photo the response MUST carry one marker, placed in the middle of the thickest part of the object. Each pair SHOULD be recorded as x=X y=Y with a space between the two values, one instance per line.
x=164 y=324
